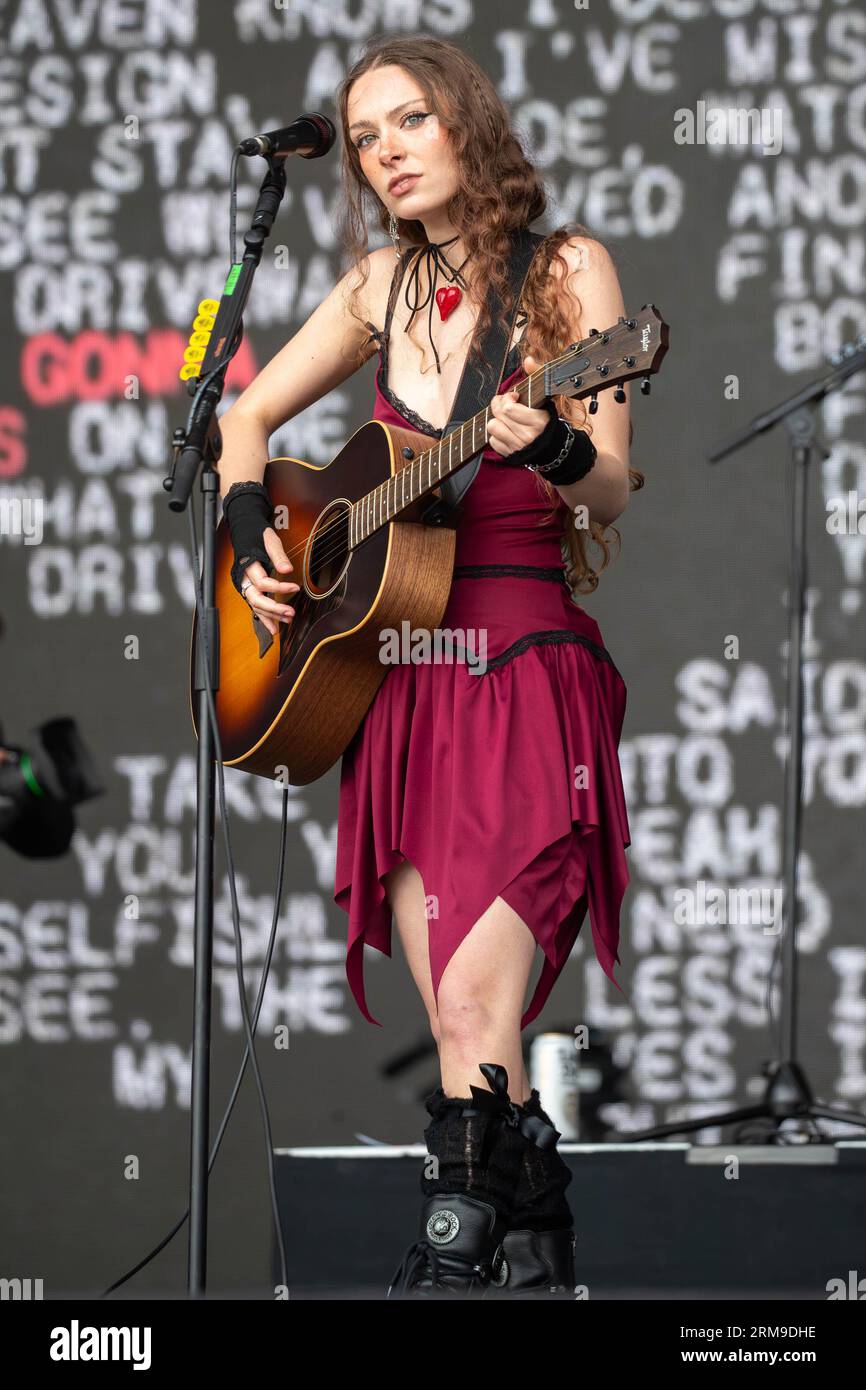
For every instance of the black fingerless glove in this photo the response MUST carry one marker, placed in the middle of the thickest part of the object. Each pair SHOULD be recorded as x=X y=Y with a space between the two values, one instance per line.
x=248 y=512
x=560 y=454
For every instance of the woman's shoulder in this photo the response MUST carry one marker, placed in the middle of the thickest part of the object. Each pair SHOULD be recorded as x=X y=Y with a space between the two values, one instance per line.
x=581 y=253
x=373 y=294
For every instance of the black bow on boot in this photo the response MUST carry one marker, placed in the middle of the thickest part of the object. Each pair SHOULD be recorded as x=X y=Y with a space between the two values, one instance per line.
x=479 y=1147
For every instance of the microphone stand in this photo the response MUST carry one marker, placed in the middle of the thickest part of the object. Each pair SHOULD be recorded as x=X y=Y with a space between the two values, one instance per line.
x=787 y=1093
x=199 y=448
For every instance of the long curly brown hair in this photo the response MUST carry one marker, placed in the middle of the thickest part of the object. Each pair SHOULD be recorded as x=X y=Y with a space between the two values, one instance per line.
x=499 y=190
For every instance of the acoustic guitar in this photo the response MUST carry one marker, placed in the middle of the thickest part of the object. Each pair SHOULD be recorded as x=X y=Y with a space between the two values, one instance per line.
x=288 y=704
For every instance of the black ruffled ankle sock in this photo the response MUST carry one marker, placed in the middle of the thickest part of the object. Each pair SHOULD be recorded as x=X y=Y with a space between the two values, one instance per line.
x=539 y=1203
x=480 y=1155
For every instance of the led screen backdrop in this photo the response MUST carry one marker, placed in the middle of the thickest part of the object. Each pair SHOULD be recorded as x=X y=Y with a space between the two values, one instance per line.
x=117 y=122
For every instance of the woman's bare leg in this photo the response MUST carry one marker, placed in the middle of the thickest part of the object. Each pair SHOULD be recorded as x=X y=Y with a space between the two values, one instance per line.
x=481 y=1002
x=404 y=889
x=482 y=991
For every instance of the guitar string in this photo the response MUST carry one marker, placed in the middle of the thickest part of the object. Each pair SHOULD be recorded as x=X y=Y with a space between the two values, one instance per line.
x=554 y=362
x=340 y=519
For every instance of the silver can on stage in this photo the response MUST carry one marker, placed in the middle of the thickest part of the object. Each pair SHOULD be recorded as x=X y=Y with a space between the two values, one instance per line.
x=554 y=1071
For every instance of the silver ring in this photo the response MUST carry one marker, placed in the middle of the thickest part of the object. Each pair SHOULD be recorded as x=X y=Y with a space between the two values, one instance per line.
x=244 y=587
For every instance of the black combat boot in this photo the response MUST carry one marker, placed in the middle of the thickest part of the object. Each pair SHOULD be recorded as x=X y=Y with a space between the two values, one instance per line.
x=479 y=1147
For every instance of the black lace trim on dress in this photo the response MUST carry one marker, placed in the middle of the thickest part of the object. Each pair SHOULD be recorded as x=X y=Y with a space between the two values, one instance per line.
x=382 y=337
x=553 y=638
x=420 y=424
x=550 y=638
x=551 y=573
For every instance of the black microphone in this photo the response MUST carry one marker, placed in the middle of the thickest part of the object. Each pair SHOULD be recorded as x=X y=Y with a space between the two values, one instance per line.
x=310 y=136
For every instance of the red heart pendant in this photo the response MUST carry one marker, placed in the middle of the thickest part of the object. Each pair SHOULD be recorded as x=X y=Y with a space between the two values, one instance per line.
x=448 y=299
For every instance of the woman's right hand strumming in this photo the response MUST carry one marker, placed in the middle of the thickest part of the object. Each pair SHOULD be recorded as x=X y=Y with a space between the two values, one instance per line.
x=323 y=354
x=249 y=515
x=257 y=585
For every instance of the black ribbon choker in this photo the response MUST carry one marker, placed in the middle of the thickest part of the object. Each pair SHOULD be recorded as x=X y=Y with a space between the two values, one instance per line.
x=432 y=255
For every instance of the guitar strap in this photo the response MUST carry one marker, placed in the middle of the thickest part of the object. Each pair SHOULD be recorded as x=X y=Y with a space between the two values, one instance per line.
x=474 y=395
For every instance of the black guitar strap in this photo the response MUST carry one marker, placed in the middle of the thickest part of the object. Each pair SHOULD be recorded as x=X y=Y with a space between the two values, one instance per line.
x=473 y=395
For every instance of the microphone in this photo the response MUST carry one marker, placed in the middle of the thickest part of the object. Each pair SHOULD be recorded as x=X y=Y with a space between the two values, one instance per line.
x=310 y=136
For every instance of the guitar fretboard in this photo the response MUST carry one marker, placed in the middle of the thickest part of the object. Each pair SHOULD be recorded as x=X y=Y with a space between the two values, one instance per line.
x=387 y=500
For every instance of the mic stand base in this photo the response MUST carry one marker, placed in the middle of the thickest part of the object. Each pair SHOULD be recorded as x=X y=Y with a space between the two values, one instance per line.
x=787 y=1096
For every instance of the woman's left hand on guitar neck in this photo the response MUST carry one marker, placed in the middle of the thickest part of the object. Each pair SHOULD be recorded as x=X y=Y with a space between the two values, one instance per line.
x=514 y=425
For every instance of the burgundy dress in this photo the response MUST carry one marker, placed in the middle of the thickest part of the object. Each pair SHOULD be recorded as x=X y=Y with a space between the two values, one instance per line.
x=500 y=784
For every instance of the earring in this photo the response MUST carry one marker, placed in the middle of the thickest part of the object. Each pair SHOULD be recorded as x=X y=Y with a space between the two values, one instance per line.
x=393 y=232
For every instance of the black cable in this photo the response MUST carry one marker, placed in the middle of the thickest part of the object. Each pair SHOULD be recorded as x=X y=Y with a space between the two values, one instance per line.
x=256 y=1011
x=249 y=1026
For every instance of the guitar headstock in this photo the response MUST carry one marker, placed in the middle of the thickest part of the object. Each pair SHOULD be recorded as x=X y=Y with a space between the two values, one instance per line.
x=632 y=347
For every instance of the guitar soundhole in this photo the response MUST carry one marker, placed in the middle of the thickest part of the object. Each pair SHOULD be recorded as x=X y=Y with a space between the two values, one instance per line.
x=328 y=549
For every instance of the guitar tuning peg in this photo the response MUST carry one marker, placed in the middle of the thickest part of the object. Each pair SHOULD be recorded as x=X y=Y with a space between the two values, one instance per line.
x=645 y=386
x=593 y=403
x=619 y=396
